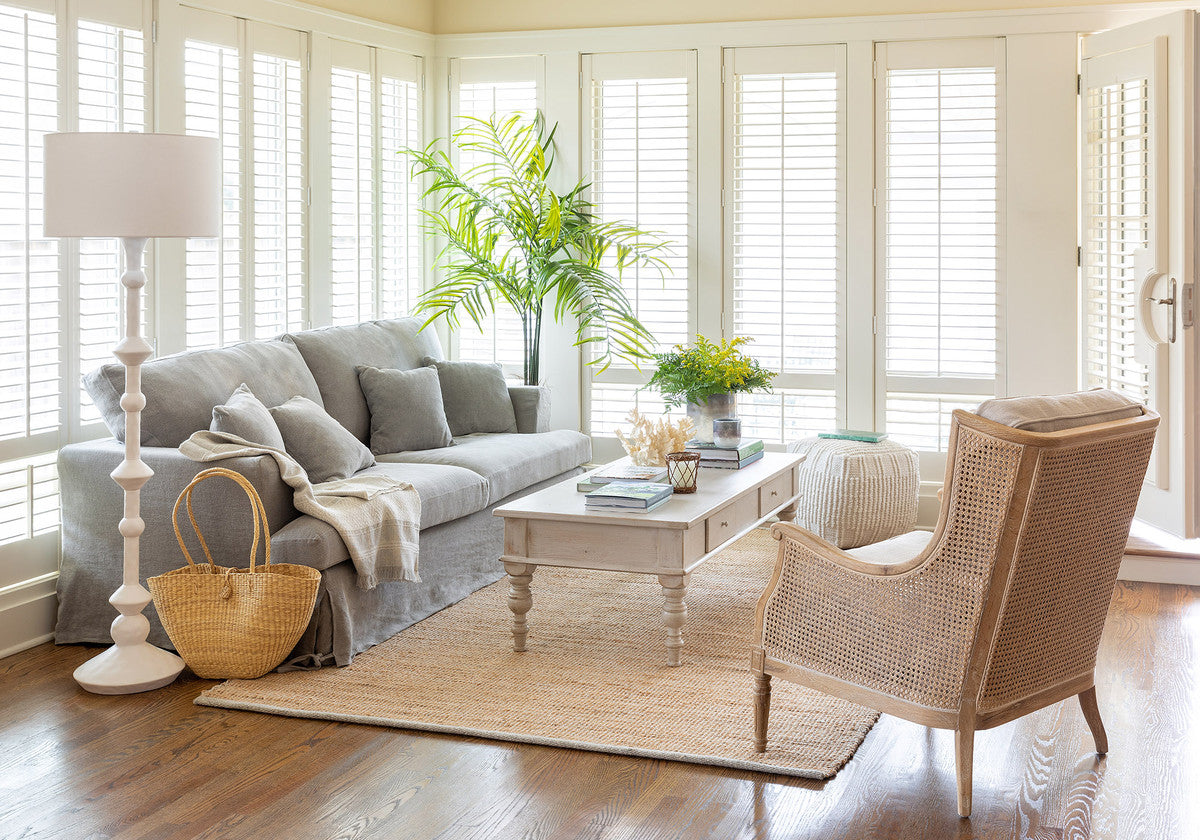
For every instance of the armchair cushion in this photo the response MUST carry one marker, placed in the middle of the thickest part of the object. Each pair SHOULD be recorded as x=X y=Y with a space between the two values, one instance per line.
x=893 y=551
x=244 y=415
x=318 y=442
x=1064 y=411
x=406 y=409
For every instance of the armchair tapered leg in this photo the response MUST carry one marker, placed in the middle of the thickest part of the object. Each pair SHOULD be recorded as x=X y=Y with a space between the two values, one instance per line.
x=762 y=709
x=1091 y=713
x=964 y=757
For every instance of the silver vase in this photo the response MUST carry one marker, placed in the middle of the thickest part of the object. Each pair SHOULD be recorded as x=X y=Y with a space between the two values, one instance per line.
x=716 y=407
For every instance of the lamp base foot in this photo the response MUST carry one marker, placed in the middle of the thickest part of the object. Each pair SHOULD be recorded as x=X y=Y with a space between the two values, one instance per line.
x=128 y=669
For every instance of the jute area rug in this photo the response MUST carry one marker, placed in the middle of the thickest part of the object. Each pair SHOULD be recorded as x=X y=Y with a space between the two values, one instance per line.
x=593 y=677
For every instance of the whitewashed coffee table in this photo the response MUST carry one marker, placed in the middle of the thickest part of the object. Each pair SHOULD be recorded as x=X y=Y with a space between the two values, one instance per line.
x=552 y=528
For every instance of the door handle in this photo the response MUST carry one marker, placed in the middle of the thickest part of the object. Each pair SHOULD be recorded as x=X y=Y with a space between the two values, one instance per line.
x=1170 y=302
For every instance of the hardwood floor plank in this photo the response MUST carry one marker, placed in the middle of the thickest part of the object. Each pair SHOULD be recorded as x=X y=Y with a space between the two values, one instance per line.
x=156 y=767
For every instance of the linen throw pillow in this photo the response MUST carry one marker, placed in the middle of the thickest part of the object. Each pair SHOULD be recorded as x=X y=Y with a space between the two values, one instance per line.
x=406 y=409
x=244 y=415
x=318 y=442
x=475 y=397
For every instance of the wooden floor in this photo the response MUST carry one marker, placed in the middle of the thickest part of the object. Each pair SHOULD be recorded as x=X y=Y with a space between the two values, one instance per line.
x=76 y=765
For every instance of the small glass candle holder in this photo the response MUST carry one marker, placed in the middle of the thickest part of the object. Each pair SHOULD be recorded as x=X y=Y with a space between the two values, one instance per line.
x=682 y=470
x=727 y=433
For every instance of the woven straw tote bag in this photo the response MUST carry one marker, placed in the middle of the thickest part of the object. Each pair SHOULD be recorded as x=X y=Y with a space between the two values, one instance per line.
x=229 y=623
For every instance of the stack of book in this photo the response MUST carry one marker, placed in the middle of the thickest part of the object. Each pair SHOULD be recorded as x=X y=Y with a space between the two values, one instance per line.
x=727 y=459
x=628 y=496
x=620 y=472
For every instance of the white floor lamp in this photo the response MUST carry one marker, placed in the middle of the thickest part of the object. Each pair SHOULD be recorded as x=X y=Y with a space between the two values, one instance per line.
x=132 y=186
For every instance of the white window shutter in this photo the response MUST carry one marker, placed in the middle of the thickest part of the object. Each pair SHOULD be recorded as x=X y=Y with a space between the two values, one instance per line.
x=786 y=218
x=352 y=153
x=243 y=85
x=642 y=158
x=1116 y=225
x=31 y=354
x=483 y=87
x=375 y=113
x=401 y=234
x=941 y=210
x=212 y=65
x=278 y=181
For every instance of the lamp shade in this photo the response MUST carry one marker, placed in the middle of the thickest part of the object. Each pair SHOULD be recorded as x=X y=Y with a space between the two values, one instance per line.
x=132 y=185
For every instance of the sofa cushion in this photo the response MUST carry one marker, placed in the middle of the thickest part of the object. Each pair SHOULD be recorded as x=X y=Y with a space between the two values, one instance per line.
x=406 y=409
x=332 y=354
x=447 y=493
x=181 y=390
x=318 y=442
x=476 y=397
x=244 y=415
x=509 y=462
x=1064 y=411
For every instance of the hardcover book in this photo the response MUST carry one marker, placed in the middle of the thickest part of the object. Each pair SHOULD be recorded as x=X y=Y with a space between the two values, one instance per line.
x=712 y=451
x=854 y=434
x=628 y=494
x=628 y=473
x=726 y=464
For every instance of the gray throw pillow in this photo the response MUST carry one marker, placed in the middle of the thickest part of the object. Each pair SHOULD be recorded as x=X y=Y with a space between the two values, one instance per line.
x=406 y=409
x=244 y=415
x=318 y=442
x=475 y=397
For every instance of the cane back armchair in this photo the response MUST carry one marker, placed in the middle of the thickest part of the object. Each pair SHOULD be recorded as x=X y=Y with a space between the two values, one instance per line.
x=998 y=616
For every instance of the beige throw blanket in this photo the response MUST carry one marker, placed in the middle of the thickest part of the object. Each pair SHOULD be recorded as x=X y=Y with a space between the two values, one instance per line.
x=379 y=518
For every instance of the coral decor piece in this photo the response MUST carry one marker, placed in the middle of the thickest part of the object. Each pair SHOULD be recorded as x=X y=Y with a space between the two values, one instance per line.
x=649 y=441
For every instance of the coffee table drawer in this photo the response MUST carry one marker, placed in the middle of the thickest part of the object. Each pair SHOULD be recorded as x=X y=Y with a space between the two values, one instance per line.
x=774 y=493
x=730 y=519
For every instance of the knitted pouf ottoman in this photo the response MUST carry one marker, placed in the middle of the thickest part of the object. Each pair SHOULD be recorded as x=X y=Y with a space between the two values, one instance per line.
x=854 y=493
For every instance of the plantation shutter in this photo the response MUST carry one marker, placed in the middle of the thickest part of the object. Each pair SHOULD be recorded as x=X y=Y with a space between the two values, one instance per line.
x=786 y=218
x=400 y=238
x=352 y=155
x=641 y=153
x=940 y=215
x=480 y=88
x=277 y=180
x=111 y=97
x=243 y=84
x=375 y=111
x=212 y=62
x=1116 y=207
x=31 y=358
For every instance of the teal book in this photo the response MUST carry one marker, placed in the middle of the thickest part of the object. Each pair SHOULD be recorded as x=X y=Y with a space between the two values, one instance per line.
x=854 y=434
x=710 y=451
x=628 y=495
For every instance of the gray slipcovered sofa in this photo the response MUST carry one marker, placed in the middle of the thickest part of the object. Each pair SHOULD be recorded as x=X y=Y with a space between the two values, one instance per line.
x=459 y=485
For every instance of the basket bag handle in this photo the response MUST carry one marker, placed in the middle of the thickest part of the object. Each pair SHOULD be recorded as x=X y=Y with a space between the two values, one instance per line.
x=261 y=528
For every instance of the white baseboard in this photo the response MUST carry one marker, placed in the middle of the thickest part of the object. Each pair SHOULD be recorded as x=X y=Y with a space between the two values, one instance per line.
x=27 y=614
x=1158 y=569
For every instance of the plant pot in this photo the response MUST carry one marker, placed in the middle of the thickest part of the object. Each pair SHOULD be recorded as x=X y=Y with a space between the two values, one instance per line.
x=716 y=407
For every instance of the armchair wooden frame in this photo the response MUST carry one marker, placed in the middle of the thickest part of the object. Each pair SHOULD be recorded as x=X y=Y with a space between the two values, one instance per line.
x=999 y=616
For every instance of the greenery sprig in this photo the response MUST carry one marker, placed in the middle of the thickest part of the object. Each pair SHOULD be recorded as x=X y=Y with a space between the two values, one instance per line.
x=693 y=374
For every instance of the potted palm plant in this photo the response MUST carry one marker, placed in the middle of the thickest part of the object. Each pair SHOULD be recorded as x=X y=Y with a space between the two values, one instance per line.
x=707 y=377
x=509 y=237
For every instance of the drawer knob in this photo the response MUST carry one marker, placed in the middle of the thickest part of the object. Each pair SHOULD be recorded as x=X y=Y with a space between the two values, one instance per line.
x=724 y=524
x=774 y=492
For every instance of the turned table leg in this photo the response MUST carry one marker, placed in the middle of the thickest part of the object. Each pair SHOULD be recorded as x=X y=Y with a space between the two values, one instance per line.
x=519 y=600
x=674 y=614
